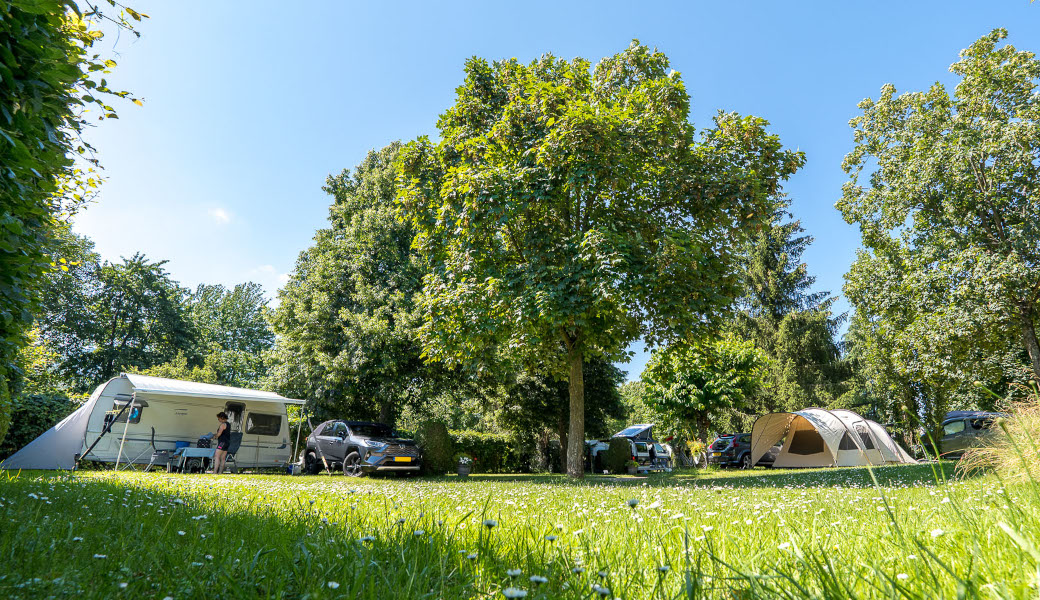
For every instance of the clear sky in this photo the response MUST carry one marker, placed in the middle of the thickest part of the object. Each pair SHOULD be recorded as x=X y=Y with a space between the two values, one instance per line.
x=249 y=106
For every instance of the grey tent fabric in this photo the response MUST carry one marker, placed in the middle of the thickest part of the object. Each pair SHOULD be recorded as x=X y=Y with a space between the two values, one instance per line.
x=815 y=437
x=57 y=447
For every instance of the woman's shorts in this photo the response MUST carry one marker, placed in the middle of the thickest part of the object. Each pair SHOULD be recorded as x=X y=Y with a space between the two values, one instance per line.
x=223 y=446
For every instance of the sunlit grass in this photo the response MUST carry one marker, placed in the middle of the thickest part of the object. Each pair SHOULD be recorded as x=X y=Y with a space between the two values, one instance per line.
x=826 y=533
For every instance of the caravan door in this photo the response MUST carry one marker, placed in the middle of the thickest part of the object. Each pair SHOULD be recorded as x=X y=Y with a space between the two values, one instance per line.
x=267 y=432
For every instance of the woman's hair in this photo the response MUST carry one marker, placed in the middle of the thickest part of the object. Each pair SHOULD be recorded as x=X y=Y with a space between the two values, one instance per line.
x=222 y=415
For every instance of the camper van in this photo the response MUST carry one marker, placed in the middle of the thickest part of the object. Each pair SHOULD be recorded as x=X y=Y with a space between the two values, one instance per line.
x=153 y=413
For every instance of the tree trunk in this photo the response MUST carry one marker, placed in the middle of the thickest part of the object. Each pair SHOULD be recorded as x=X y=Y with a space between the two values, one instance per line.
x=1029 y=338
x=576 y=436
x=561 y=429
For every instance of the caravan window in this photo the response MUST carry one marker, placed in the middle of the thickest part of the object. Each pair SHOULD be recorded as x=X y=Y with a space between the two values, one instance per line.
x=133 y=413
x=260 y=424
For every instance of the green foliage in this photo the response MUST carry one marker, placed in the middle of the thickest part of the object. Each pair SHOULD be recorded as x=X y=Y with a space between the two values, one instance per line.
x=346 y=324
x=6 y=407
x=569 y=210
x=493 y=452
x=617 y=455
x=945 y=191
x=178 y=368
x=438 y=448
x=792 y=325
x=49 y=77
x=693 y=385
x=32 y=415
x=106 y=318
x=634 y=409
x=232 y=332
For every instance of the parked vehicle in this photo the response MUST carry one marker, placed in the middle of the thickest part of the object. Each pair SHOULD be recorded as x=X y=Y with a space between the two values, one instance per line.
x=359 y=448
x=734 y=450
x=963 y=429
x=130 y=417
x=650 y=454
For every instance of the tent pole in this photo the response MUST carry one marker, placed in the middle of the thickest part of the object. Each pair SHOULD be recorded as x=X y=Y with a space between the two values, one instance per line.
x=125 y=428
x=296 y=446
x=104 y=430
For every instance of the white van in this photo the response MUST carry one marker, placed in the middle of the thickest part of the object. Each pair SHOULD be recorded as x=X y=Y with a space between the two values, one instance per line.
x=163 y=412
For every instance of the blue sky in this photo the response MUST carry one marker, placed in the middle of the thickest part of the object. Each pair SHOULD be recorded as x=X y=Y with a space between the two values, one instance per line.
x=249 y=106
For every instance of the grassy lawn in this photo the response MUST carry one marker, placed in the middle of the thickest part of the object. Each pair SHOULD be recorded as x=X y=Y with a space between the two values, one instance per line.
x=825 y=533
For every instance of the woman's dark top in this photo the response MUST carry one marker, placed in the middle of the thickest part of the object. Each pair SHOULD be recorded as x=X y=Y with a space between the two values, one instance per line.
x=225 y=436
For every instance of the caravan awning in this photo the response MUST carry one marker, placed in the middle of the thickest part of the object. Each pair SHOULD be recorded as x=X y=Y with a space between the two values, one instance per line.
x=144 y=384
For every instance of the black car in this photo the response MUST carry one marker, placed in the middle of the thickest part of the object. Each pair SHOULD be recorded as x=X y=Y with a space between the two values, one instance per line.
x=360 y=447
x=734 y=450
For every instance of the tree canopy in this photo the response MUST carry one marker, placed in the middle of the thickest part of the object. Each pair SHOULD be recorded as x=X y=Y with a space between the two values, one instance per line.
x=950 y=217
x=569 y=210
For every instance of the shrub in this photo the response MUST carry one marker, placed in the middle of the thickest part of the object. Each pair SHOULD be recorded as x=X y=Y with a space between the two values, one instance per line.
x=437 y=446
x=494 y=452
x=1011 y=449
x=618 y=454
x=31 y=415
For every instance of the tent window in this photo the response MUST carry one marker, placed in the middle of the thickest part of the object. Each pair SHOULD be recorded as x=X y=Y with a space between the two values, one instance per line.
x=805 y=442
x=863 y=435
x=847 y=443
x=260 y=424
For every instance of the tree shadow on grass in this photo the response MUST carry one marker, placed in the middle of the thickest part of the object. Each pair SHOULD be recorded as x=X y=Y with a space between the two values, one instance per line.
x=892 y=475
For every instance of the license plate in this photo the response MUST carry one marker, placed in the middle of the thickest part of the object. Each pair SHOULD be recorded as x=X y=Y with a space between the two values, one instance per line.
x=716 y=454
x=402 y=459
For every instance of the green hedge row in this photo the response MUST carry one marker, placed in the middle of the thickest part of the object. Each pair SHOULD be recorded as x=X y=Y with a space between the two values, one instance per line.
x=32 y=415
x=494 y=452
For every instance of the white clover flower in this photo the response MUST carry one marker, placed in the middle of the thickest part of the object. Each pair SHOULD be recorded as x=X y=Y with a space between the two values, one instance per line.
x=551 y=538
x=664 y=568
x=489 y=523
x=472 y=556
x=707 y=528
x=602 y=591
x=419 y=532
x=602 y=573
x=122 y=585
x=514 y=572
x=77 y=539
x=784 y=546
x=937 y=532
x=912 y=556
x=181 y=533
x=514 y=593
x=332 y=585
x=633 y=502
x=578 y=570
x=196 y=564
x=209 y=557
x=537 y=579
x=902 y=577
x=101 y=556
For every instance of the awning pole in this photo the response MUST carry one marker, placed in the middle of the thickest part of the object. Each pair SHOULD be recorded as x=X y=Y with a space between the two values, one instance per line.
x=122 y=440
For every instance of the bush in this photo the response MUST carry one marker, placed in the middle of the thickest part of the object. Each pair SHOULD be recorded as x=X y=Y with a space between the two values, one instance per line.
x=494 y=452
x=1011 y=449
x=437 y=447
x=618 y=454
x=31 y=415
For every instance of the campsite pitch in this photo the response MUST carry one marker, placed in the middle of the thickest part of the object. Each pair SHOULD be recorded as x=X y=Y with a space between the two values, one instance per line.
x=764 y=534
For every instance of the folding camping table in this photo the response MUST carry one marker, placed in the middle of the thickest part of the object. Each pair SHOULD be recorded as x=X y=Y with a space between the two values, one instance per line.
x=183 y=454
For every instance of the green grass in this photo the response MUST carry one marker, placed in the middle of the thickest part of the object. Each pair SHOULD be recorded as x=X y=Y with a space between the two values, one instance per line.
x=762 y=534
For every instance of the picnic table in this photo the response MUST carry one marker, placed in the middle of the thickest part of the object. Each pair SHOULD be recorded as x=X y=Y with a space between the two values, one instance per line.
x=189 y=456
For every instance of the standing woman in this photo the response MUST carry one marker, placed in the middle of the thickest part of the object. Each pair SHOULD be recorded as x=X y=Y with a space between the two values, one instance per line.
x=223 y=442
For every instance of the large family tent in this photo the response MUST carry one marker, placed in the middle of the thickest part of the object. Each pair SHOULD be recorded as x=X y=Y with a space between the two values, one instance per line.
x=128 y=417
x=815 y=437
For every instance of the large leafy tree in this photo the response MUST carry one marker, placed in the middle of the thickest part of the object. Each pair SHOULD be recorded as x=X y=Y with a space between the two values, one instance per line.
x=232 y=332
x=102 y=318
x=48 y=74
x=347 y=322
x=950 y=215
x=568 y=211
x=695 y=385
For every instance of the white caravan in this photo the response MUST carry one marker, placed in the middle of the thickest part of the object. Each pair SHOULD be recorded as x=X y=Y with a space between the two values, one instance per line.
x=163 y=412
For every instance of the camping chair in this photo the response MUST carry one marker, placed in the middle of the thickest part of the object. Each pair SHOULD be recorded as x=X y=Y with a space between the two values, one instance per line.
x=233 y=445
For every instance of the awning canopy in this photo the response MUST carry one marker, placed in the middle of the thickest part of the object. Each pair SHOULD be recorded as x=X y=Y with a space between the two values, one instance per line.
x=159 y=386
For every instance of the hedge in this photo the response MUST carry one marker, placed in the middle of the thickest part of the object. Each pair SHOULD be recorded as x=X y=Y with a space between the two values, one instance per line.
x=32 y=415
x=494 y=452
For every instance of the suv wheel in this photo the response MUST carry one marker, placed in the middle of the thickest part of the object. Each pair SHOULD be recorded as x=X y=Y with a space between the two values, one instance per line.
x=352 y=465
x=745 y=461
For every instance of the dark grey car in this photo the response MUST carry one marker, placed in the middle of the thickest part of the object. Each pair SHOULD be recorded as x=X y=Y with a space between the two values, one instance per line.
x=734 y=450
x=963 y=429
x=360 y=447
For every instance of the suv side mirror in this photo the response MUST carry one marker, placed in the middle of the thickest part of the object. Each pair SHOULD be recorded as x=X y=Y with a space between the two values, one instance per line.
x=343 y=434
